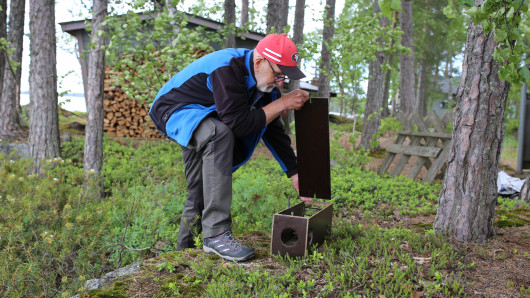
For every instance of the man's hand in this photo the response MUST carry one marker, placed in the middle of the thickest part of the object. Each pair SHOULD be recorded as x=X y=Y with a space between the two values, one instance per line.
x=295 y=184
x=293 y=100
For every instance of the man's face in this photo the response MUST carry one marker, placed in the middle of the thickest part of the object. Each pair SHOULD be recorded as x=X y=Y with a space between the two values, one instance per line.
x=268 y=76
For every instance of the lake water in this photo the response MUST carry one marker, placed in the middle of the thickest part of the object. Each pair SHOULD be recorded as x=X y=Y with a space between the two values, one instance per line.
x=73 y=102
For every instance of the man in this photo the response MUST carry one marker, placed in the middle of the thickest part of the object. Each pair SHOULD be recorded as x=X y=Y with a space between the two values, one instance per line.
x=218 y=108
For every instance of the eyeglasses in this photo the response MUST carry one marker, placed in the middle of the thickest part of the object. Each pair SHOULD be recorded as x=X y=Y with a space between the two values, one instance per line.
x=279 y=78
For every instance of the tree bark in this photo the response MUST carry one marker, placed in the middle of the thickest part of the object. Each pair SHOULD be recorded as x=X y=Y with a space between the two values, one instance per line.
x=388 y=72
x=325 y=64
x=469 y=190
x=421 y=101
x=93 y=157
x=298 y=39
x=44 y=118
x=3 y=34
x=406 y=88
x=277 y=15
x=244 y=12
x=159 y=4
x=525 y=190
x=230 y=22
x=11 y=122
x=374 y=94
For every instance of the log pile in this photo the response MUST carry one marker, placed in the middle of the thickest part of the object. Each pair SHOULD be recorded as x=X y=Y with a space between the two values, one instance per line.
x=125 y=117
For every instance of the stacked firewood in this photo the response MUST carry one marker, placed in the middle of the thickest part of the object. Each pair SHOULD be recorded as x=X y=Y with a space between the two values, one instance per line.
x=125 y=117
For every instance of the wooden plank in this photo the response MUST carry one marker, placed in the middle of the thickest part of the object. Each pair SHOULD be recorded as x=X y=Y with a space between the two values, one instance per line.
x=415 y=170
x=436 y=122
x=416 y=119
x=404 y=121
x=448 y=117
x=390 y=156
x=437 y=165
x=414 y=150
x=425 y=134
x=415 y=141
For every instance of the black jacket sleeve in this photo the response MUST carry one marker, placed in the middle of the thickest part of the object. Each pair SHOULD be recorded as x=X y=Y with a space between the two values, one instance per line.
x=279 y=143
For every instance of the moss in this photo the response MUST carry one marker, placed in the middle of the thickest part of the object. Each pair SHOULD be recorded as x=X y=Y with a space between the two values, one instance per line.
x=513 y=218
x=378 y=153
x=422 y=226
x=514 y=222
x=117 y=290
x=175 y=286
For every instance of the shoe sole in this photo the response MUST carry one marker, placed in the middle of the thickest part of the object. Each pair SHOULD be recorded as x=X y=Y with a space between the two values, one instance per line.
x=209 y=250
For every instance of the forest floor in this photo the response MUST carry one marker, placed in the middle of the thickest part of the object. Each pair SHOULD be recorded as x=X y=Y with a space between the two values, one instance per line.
x=501 y=266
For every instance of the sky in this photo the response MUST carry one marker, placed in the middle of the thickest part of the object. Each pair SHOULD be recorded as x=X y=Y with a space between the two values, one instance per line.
x=68 y=67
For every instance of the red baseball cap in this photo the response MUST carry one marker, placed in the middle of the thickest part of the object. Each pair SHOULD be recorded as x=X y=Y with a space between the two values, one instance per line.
x=281 y=50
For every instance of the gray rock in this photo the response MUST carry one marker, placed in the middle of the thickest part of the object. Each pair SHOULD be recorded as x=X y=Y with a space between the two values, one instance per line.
x=96 y=283
x=21 y=149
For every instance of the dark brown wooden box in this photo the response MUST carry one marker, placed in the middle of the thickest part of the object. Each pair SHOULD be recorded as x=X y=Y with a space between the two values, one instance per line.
x=297 y=228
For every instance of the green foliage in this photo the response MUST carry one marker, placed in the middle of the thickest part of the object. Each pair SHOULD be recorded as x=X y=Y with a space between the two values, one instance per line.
x=389 y=124
x=53 y=238
x=358 y=36
x=512 y=127
x=260 y=189
x=49 y=230
x=147 y=50
x=507 y=19
x=389 y=6
x=354 y=188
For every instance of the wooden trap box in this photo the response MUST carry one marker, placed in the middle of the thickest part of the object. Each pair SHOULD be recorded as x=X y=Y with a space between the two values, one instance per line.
x=297 y=228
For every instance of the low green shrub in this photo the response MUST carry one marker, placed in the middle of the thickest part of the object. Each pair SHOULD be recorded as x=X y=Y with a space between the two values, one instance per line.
x=353 y=187
x=389 y=124
x=512 y=126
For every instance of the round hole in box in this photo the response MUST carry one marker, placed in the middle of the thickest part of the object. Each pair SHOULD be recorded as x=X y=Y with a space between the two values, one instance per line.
x=289 y=237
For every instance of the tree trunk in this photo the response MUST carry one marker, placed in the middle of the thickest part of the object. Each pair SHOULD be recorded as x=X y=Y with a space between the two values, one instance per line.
x=159 y=4
x=325 y=64
x=3 y=34
x=284 y=14
x=525 y=190
x=421 y=102
x=44 y=119
x=273 y=13
x=388 y=72
x=406 y=87
x=469 y=190
x=93 y=158
x=277 y=15
x=230 y=21
x=298 y=39
x=374 y=94
x=11 y=122
x=244 y=12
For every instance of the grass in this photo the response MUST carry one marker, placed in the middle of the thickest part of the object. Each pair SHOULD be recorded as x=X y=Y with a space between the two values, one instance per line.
x=53 y=239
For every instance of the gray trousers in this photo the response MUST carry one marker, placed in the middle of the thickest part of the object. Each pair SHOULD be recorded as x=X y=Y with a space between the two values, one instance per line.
x=208 y=168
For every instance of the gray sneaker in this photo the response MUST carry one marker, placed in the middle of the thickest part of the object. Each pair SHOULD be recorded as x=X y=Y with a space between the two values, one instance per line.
x=227 y=247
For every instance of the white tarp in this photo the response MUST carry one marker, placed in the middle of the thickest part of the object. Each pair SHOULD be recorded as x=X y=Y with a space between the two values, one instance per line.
x=507 y=185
